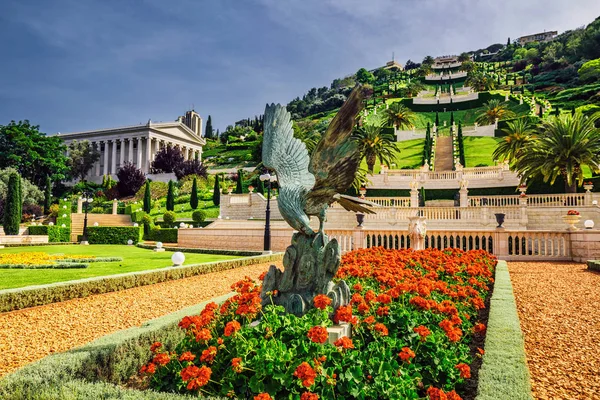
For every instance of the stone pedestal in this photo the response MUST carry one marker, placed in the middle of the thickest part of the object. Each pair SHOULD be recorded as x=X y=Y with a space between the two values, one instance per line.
x=338 y=331
x=414 y=198
x=79 y=205
x=115 y=205
x=464 y=197
x=417 y=230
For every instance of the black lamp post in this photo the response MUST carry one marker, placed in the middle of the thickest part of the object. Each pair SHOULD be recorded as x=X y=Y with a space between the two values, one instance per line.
x=268 y=179
x=87 y=198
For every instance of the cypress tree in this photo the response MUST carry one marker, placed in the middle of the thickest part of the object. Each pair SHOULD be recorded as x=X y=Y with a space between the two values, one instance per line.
x=437 y=119
x=147 y=198
x=13 y=205
x=171 y=197
x=209 y=129
x=217 y=191
x=451 y=118
x=194 y=196
x=239 y=189
x=48 y=196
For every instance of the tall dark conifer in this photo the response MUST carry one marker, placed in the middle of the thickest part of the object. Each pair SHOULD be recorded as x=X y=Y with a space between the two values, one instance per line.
x=217 y=191
x=239 y=188
x=13 y=205
x=48 y=196
x=194 y=195
x=209 y=129
x=171 y=196
x=147 y=198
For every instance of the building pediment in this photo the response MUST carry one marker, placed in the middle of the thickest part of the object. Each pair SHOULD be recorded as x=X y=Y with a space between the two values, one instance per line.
x=177 y=130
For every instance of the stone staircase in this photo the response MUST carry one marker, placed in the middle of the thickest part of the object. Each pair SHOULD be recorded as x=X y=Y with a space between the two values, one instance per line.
x=101 y=219
x=444 y=160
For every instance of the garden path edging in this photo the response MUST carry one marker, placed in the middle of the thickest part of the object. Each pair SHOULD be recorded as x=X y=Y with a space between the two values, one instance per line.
x=504 y=373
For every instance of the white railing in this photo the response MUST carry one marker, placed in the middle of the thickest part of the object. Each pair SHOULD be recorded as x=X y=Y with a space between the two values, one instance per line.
x=510 y=245
x=391 y=201
x=556 y=200
x=243 y=199
x=494 y=201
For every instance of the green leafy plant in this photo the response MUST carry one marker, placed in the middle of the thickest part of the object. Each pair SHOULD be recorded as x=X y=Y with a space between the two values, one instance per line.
x=169 y=217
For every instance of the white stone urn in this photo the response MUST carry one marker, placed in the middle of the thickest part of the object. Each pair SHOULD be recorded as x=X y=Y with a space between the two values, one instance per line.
x=229 y=190
x=571 y=220
x=588 y=187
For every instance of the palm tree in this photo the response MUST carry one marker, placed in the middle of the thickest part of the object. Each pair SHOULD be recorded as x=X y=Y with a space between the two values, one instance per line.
x=413 y=88
x=399 y=116
x=518 y=133
x=492 y=110
x=479 y=82
x=464 y=57
x=563 y=146
x=374 y=143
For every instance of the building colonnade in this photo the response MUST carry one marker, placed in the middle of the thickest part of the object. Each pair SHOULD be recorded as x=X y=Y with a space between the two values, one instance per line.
x=137 y=149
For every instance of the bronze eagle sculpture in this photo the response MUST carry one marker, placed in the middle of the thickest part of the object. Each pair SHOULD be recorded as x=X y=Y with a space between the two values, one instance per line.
x=307 y=187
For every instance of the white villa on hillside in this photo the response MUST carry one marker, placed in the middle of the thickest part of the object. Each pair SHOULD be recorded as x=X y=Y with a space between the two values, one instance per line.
x=140 y=143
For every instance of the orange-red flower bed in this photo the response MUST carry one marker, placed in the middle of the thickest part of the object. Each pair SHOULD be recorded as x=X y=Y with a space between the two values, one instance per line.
x=413 y=316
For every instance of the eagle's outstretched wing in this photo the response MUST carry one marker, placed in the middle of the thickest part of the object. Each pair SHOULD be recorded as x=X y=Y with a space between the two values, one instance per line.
x=289 y=158
x=336 y=158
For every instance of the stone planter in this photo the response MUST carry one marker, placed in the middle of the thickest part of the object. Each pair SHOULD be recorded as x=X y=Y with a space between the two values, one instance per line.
x=500 y=219
x=588 y=187
x=571 y=220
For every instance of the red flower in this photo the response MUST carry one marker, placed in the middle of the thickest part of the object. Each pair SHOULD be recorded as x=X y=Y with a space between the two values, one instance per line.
x=357 y=287
x=197 y=377
x=208 y=355
x=480 y=351
x=363 y=308
x=148 y=369
x=203 y=335
x=232 y=327
x=422 y=331
x=384 y=298
x=236 y=365
x=370 y=296
x=321 y=301
x=406 y=354
x=263 y=396
x=161 y=359
x=381 y=328
x=187 y=356
x=305 y=373
x=344 y=342
x=436 y=394
x=309 y=396
x=318 y=334
x=465 y=370
x=369 y=320
x=383 y=311
x=453 y=396
x=479 y=328
x=343 y=314
x=155 y=346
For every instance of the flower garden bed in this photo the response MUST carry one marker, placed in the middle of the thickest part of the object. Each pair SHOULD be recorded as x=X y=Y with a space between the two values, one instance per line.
x=102 y=368
x=41 y=260
x=413 y=316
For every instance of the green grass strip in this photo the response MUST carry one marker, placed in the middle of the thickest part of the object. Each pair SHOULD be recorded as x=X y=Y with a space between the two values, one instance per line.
x=504 y=373
x=98 y=369
x=58 y=265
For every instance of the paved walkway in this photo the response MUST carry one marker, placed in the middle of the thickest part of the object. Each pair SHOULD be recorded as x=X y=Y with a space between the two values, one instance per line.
x=33 y=333
x=559 y=309
x=444 y=160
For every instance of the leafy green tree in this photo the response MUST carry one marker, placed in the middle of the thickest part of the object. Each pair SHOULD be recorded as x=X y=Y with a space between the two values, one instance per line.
x=590 y=71
x=48 y=196
x=147 y=198
x=194 y=195
x=171 y=196
x=13 y=205
x=32 y=153
x=239 y=188
x=464 y=57
x=82 y=157
x=364 y=76
x=479 y=82
x=492 y=110
x=399 y=116
x=428 y=60
x=31 y=194
x=373 y=143
x=563 y=146
x=518 y=133
x=217 y=191
x=208 y=134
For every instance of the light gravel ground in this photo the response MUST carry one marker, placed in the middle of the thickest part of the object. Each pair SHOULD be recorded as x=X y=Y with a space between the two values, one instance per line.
x=33 y=333
x=559 y=309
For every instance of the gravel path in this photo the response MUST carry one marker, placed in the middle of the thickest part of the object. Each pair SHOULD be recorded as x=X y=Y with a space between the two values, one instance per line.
x=33 y=333
x=559 y=308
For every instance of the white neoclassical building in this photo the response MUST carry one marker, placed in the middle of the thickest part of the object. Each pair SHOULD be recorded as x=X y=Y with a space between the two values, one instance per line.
x=139 y=144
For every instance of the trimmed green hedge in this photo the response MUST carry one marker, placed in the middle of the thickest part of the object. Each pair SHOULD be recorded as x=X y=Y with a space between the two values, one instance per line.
x=59 y=234
x=99 y=369
x=60 y=265
x=244 y=253
x=137 y=216
x=165 y=235
x=37 y=230
x=114 y=234
x=16 y=299
x=484 y=97
x=593 y=265
x=504 y=373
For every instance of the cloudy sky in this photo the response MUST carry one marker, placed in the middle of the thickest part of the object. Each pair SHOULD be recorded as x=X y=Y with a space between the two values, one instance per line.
x=72 y=65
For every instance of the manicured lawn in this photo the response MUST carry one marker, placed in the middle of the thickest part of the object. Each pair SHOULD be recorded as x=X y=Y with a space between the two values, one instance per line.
x=409 y=154
x=479 y=150
x=134 y=259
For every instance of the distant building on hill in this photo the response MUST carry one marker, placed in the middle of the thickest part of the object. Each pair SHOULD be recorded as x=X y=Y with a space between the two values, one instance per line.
x=537 y=37
x=393 y=65
x=446 y=62
x=139 y=144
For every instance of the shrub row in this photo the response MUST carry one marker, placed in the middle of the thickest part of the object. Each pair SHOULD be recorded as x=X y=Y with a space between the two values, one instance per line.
x=16 y=299
x=504 y=373
x=464 y=105
x=95 y=259
x=114 y=234
x=56 y=234
x=60 y=265
x=593 y=265
x=94 y=370
x=166 y=235
x=243 y=253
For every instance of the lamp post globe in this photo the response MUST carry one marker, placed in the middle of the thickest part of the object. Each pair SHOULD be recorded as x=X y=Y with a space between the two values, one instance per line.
x=87 y=199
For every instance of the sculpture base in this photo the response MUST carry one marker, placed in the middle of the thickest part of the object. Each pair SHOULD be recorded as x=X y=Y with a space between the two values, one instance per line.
x=338 y=331
x=84 y=242
x=310 y=263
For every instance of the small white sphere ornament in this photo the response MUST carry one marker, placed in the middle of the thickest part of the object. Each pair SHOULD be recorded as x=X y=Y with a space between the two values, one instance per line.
x=63 y=225
x=135 y=224
x=95 y=224
x=130 y=242
x=50 y=223
x=65 y=207
x=159 y=245
x=595 y=202
x=178 y=258
x=182 y=225
x=589 y=224
x=64 y=215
